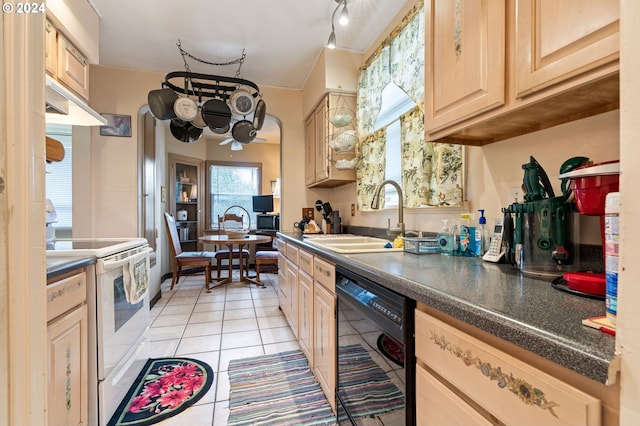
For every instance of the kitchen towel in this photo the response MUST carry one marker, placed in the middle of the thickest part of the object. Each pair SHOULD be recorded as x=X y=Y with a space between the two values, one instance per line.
x=136 y=279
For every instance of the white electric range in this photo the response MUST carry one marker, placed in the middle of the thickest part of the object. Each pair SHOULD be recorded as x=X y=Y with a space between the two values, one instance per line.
x=119 y=319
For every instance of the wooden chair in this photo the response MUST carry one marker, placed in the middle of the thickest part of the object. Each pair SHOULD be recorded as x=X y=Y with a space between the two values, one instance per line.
x=223 y=254
x=186 y=258
x=264 y=258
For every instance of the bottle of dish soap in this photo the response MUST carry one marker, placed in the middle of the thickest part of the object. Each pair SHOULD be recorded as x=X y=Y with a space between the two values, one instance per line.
x=483 y=238
x=445 y=239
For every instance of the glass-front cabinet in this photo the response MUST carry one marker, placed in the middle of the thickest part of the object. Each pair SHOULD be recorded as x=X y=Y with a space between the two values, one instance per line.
x=185 y=202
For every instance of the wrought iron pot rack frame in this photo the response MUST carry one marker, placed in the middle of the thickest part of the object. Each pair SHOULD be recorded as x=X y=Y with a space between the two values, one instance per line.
x=207 y=85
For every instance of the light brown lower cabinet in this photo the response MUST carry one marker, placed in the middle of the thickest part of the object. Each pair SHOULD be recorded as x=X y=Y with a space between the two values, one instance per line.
x=324 y=346
x=436 y=404
x=305 y=314
x=506 y=389
x=67 y=368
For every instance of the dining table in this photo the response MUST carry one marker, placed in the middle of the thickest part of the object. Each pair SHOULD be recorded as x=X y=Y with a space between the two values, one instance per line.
x=241 y=243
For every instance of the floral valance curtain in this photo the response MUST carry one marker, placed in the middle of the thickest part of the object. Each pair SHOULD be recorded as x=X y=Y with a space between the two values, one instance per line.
x=400 y=59
x=431 y=172
x=370 y=167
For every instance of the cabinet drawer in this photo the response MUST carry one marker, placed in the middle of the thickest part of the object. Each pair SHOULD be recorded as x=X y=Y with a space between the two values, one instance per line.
x=436 y=404
x=503 y=385
x=305 y=262
x=66 y=294
x=325 y=274
x=292 y=253
x=282 y=246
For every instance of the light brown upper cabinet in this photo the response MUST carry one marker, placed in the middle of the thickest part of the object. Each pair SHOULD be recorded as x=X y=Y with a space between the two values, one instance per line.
x=495 y=70
x=329 y=157
x=557 y=40
x=65 y=63
x=464 y=59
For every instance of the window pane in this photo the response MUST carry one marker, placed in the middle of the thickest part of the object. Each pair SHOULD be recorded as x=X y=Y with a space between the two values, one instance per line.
x=59 y=176
x=395 y=102
x=232 y=186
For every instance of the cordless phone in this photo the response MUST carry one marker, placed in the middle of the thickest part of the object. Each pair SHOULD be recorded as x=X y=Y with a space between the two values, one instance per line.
x=496 y=251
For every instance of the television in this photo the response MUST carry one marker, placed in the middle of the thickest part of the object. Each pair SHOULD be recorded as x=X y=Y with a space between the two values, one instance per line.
x=262 y=203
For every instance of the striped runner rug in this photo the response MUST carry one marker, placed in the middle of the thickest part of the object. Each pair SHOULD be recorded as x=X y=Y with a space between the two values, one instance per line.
x=365 y=388
x=277 y=389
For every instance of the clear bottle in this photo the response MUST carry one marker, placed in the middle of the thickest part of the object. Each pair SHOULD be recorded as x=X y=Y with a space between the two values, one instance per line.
x=455 y=238
x=445 y=239
x=483 y=238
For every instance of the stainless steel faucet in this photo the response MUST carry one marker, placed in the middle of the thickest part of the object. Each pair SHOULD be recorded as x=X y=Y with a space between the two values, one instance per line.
x=375 y=204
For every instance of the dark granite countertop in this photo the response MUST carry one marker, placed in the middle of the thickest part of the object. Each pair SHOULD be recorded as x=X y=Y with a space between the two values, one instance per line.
x=57 y=266
x=521 y=310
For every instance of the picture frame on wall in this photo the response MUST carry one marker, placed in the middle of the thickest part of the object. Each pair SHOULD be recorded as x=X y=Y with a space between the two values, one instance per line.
x=117 y=125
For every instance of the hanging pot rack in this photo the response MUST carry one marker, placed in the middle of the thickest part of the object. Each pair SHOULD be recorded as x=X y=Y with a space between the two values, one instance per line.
x=207 y=85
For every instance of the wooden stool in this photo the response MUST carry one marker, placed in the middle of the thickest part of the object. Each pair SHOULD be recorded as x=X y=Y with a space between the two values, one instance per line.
x=265 y=258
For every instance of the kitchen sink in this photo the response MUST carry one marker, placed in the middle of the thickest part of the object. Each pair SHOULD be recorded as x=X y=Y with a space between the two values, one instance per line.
x=352 y=244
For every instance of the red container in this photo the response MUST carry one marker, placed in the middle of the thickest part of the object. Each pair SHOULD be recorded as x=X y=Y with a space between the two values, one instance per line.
x=591 y=191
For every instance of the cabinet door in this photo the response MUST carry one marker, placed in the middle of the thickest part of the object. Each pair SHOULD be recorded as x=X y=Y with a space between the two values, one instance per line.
x=305 y=312
x=322 y=152
x=51 y=50
x=438 y=405
x=73 y=67
x=67 y=369
x=310 y=150
x=324 y=346
x=464 y=59
x=291 y=311
x=556 y=40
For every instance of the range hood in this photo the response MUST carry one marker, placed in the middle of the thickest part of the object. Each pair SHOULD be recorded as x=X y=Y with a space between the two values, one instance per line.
x=63 y=107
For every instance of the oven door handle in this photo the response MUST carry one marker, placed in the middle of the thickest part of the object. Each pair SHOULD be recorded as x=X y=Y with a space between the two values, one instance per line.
x=113 y=264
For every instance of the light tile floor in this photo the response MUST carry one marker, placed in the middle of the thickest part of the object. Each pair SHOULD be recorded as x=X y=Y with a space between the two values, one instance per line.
x=233 y=321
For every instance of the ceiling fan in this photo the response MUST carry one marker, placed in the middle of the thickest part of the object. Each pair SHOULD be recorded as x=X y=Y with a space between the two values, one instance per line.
x=238 y=146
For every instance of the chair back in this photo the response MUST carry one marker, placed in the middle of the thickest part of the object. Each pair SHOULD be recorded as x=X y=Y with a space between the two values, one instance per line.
x=230 y=221
x=172 y=232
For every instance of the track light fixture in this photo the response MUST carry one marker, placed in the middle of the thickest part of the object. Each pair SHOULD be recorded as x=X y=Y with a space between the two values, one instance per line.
x=343 y=20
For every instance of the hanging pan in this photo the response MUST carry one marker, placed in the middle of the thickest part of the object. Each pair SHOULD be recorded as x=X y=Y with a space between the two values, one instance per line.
x=216 y=113
x=161 y=103
x=258 y=116
x=243 y=131
x=184 y=131
x=242 y=102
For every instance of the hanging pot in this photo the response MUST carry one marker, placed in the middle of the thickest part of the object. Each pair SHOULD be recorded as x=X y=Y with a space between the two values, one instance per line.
x=184 y=131
x=243 y=131
x=216 y=113
x=185 y=108
x=258 y=116
x=242 y=102
x=161 y=103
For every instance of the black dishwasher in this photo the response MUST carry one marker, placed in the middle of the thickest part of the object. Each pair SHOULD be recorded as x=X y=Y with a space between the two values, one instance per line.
x=376 y=360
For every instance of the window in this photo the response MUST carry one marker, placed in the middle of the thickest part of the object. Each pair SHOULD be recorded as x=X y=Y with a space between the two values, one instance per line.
x=59 y=176
x=231 y=184
x=395 y=102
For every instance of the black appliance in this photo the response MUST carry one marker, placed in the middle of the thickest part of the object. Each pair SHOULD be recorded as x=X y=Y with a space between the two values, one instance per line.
x=376 y=356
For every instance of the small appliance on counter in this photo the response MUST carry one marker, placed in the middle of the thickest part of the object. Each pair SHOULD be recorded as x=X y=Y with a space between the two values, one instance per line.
x=540 y=238
x=590 y=184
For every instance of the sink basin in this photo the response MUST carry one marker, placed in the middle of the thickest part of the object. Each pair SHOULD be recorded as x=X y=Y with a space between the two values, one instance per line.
x=354 y=244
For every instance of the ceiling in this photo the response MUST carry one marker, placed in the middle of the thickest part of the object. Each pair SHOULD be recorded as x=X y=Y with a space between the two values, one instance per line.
x=281 y=38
